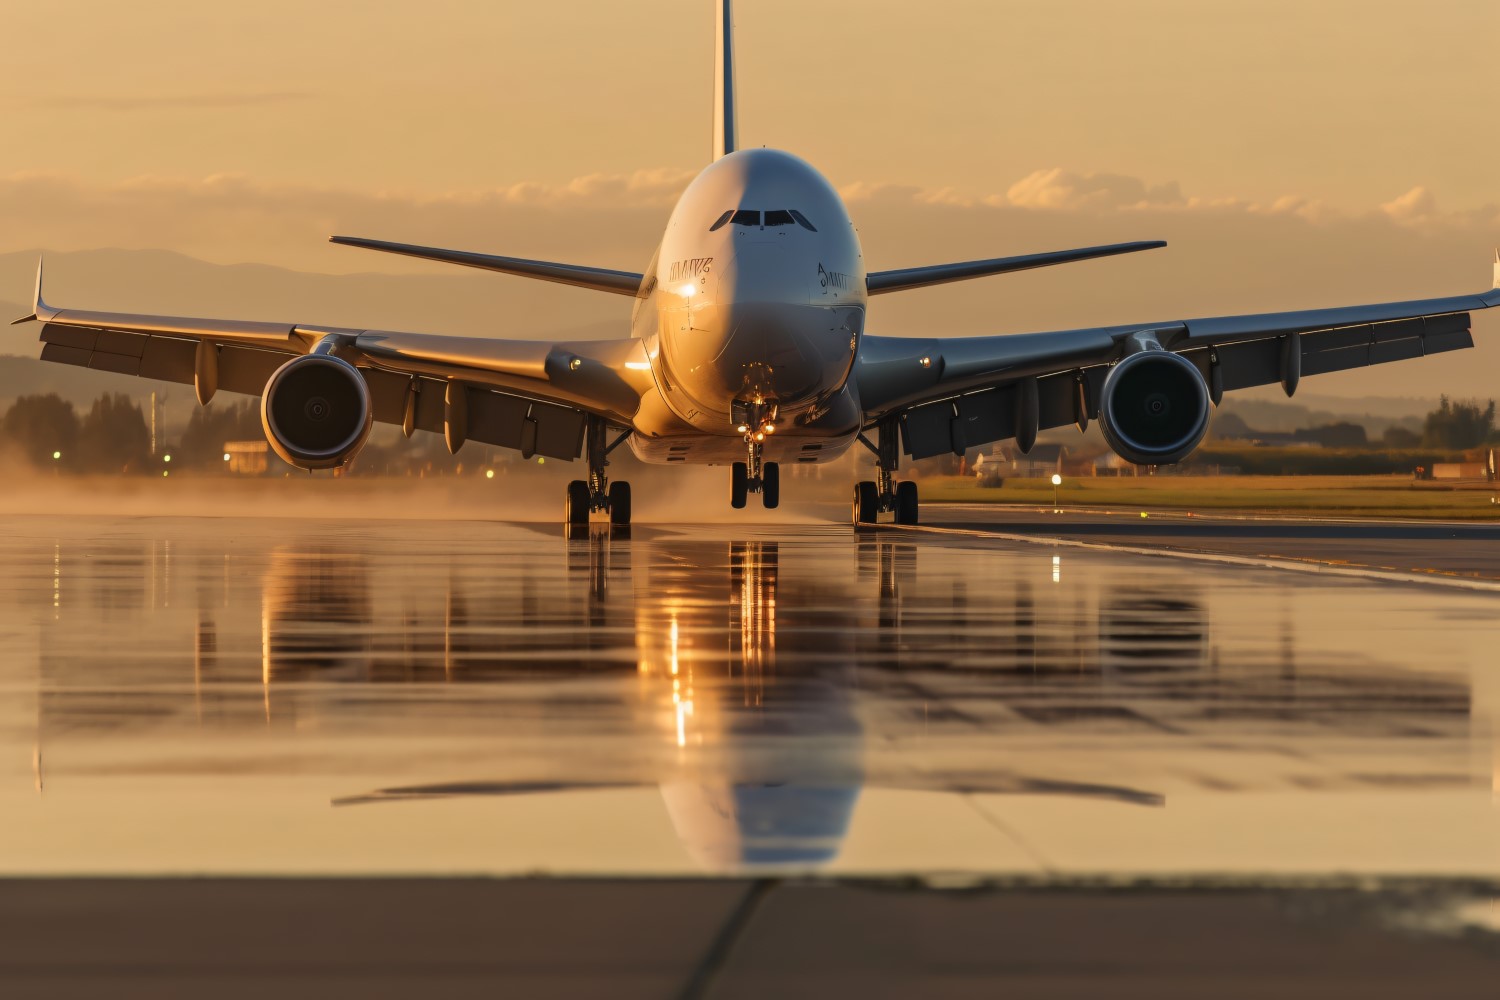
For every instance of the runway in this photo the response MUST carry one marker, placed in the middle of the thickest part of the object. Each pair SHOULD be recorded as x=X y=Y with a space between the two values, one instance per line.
x=272 y=696
x=764 y=704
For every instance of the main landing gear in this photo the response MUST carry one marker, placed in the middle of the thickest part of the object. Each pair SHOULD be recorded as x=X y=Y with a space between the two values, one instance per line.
x=755 y=476
x=885 y=495
x=598 y=493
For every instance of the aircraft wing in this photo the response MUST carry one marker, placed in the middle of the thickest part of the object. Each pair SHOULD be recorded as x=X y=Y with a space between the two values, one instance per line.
x=510 y=384
x=955 y=393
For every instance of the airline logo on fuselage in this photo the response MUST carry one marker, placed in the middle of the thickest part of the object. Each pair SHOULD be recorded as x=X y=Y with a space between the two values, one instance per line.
x=682 y=270
x=832 y=279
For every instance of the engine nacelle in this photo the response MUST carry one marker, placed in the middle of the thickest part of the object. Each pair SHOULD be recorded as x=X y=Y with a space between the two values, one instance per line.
x=316 y=411
x=1154 y=408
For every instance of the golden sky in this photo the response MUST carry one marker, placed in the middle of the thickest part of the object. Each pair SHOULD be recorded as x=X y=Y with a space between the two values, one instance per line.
x=1294 y=153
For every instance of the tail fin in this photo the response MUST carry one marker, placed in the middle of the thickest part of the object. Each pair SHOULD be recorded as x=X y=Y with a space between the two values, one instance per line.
x=726 y=131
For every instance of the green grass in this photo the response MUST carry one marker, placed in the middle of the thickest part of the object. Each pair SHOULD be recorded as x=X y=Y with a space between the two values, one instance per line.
x=1345 y=496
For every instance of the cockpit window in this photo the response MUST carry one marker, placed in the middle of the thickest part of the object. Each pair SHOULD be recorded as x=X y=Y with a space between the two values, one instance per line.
x=802 y=221
x=751 y=217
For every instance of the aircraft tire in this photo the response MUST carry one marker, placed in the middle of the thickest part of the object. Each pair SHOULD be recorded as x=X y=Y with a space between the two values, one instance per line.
x=739 y=485
x=619 y=504
x=866 y=502
x=770 y=485
x=576 y=510
x=906 y=503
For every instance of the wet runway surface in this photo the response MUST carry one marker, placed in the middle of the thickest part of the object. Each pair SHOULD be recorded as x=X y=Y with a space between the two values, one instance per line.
x=1460 y=551
x=266 y=696
x=911 y=762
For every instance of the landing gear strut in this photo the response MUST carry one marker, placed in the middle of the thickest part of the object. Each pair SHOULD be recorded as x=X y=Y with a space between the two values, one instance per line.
x=754 y=476
x=597 y=493
x=885 y=495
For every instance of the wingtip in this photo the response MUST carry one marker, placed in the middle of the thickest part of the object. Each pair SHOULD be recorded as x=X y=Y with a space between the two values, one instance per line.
x=39 y=307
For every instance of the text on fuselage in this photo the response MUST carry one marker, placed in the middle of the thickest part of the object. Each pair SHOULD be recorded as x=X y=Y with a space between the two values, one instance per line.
x=681 y=270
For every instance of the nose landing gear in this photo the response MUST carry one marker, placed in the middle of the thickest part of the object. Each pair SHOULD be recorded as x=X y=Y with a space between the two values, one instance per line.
x=885 y=495
x=755 y=476
x=597 y=493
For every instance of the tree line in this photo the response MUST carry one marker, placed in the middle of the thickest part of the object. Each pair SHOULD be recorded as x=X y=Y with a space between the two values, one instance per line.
x=114 y=436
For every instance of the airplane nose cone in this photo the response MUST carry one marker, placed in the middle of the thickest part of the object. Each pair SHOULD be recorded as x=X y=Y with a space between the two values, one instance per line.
x=768 y=327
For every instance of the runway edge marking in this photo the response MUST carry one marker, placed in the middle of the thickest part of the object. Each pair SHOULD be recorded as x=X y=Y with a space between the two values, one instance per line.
x=1262 y=562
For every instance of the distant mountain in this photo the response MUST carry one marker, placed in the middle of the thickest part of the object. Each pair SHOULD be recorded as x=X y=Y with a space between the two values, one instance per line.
x=1288 y=417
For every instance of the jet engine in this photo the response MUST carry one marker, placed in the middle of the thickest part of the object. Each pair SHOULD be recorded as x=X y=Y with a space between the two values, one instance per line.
x=1154 y=408
x=316 y=411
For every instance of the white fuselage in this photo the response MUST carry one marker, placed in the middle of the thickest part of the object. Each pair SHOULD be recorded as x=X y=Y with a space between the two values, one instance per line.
x=761 y=313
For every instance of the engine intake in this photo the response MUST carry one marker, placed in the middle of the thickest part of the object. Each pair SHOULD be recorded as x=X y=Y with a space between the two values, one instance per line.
x=1154 y=408
x=316 y=411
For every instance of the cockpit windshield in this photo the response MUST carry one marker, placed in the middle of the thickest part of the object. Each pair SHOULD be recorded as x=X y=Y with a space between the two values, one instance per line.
x=752 y=217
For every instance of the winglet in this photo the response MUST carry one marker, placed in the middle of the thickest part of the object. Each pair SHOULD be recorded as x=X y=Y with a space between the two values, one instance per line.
x=40 y=310
x=1497 y=267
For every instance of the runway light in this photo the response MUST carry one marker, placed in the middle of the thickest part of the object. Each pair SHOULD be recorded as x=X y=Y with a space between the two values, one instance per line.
x=226 y=456
x=165 y=473
x=489 y=473
x=540 y=460
x=1056 y=479
x=166 y=458
x=1144 y=514
x=56 y=455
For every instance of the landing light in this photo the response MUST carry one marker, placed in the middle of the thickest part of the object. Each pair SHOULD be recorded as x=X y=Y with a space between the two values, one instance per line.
x=770 y=428
x=742 y=428
x=687 y=289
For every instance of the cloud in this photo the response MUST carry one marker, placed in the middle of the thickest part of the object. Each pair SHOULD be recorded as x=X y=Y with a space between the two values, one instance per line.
x=1065 y=190
x=168 y=102
x=611 y=219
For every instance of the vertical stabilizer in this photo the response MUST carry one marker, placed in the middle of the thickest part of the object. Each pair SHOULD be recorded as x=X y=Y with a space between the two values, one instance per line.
x=726 y=131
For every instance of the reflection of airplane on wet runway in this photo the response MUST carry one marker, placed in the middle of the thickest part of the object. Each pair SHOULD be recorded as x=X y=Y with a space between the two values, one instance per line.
x=752 y=698
x=749 y=349
x=762 y=698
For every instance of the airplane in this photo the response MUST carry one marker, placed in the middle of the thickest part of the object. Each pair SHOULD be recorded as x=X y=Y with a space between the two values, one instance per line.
x=748 y=348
